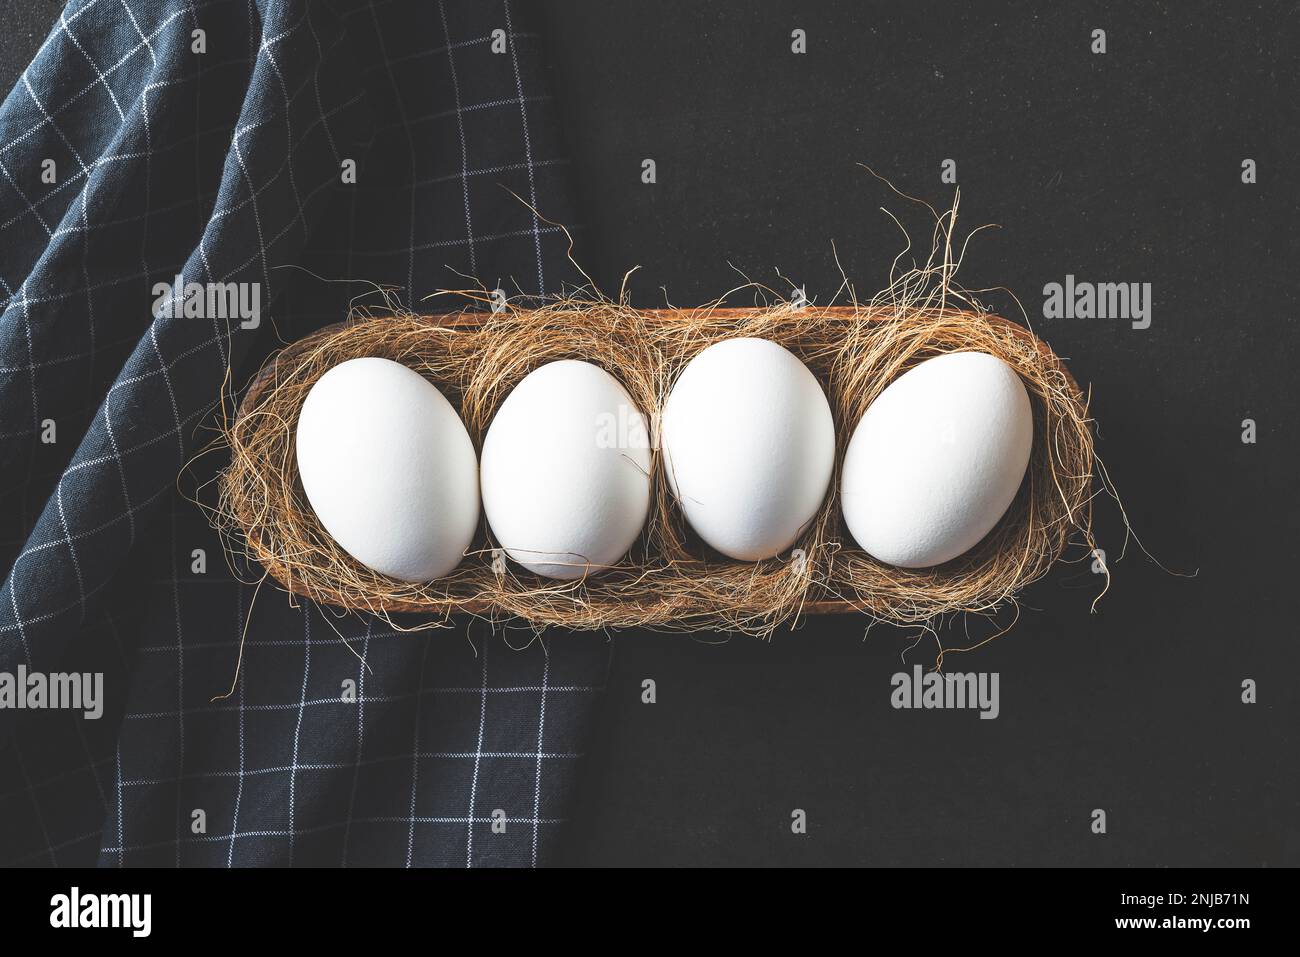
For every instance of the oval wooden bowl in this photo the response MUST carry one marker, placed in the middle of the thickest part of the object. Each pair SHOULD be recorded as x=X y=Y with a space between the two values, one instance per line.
x=268 y=374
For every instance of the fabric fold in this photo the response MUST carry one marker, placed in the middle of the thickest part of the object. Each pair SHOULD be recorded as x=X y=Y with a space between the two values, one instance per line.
x=289 y=154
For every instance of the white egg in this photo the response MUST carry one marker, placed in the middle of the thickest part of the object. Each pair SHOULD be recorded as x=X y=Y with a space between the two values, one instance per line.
x=566 y=471
x=749 y=446
x=937 y=459
x=389 y=469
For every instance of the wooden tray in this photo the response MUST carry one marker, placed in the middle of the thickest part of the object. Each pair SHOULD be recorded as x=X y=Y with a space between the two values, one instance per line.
x=469 y=320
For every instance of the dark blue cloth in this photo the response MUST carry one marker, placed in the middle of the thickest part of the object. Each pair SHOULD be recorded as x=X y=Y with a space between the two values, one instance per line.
x=219 y=155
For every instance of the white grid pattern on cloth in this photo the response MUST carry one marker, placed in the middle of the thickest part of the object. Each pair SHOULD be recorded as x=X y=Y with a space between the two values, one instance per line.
x=149 y=384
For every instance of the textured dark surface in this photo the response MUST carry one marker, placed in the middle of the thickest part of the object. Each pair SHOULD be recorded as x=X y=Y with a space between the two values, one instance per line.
x=25 y=26
x=1117 y=167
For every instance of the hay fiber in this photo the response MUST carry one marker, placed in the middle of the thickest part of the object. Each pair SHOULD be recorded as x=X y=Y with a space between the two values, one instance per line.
x=670 y=580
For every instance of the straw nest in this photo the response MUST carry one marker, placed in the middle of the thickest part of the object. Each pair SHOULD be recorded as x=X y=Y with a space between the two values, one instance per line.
x=670 y=580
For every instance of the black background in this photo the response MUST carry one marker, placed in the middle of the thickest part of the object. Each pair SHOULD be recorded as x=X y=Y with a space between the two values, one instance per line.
x=1117 y=167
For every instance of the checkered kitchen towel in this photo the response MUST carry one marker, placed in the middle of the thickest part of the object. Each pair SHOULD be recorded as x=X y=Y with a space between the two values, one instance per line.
x=209 y=138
